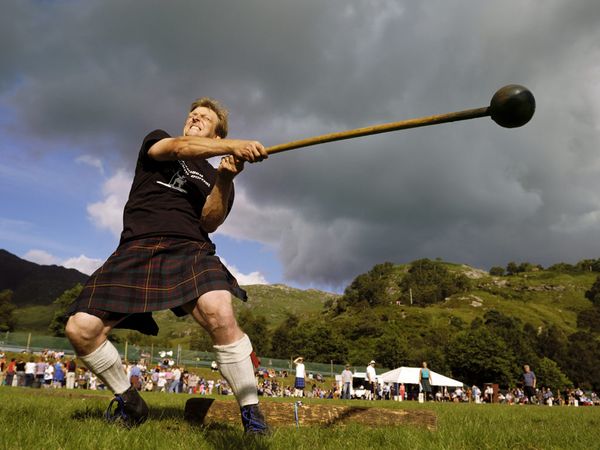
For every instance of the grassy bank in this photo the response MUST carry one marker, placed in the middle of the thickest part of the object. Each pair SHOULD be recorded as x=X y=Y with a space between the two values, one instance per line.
x=60 y=419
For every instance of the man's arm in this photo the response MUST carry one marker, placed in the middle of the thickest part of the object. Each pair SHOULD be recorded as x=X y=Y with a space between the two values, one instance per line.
x=217 y=203
x=195 y=147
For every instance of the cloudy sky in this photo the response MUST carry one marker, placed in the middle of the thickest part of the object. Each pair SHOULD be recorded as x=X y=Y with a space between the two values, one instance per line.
x=81 y=83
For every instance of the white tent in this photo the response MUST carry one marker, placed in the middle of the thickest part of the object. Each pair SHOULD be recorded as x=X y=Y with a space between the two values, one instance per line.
x=410 y=375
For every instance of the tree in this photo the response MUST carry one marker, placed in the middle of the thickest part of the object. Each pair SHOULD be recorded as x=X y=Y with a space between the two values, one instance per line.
x=581 y=361
x=553 y=343
x=288 y=338
x=520 y=342
x=589 y=319
x=548 y=374
x=563 y=268
x=62 y=303
x=255 y=326
x=593 y=294
x=512 y=268
x=430 y=282
x=526 y=267
x=497 y=271
x=476 y=356
x=372 y=288
x=588 y=265
x=392 y=350
x=324 y=343
x=7 y=311
x=200 y=340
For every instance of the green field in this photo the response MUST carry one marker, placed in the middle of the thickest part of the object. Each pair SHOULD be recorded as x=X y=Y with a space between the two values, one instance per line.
x=61 y=419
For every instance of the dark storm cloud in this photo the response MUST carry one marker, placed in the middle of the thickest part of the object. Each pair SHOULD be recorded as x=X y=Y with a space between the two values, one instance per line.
x=98 y=75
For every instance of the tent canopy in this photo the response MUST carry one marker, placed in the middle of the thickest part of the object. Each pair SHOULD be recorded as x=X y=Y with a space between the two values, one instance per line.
x=410 y=375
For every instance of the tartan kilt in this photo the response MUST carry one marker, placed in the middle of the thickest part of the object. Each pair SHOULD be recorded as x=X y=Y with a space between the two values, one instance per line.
x=153 y=274
x=299 y=383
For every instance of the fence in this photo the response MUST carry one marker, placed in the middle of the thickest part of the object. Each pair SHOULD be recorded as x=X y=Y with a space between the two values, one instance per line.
x=32 y=343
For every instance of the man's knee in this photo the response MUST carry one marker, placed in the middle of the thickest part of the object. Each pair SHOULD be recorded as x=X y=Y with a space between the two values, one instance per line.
x=214 y=311
x=84 y=329
x=217 y=309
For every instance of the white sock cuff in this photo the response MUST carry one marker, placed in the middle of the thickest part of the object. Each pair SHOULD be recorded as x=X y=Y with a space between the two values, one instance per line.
x=101 y=358
x=233 y=353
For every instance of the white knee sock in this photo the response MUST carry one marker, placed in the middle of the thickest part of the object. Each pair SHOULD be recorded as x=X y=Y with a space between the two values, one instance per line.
x=105 y=362
x=236 y=366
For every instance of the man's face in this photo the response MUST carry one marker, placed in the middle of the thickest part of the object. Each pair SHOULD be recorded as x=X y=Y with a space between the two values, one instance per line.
x=201 y=122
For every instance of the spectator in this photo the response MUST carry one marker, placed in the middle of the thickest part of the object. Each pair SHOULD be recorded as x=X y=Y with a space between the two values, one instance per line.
x=176 y=378
x=40 y=369
x=29 y=372
x=58 y=378
x=299 y=384
x=192 y=383
x=135 y=376
x=425 y=380
x=161 y=382
x=155 y=376
x=476 y=392
x=71 y=368
x=11 y=370
x=371 y=379
x=346 y=382
x=488 y=394
x=20 y=372
x=48 y=375
x=2 y=368
x=529 y=382
x=93 y=381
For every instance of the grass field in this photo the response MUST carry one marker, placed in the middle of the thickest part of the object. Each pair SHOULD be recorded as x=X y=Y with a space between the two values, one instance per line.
x=61 y=419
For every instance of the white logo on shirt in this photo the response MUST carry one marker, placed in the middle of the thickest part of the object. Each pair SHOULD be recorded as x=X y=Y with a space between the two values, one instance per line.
x=177 y=181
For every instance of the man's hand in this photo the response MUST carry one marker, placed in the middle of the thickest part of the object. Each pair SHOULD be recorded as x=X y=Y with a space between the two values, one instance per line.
x=230 y=166
x=251 y=151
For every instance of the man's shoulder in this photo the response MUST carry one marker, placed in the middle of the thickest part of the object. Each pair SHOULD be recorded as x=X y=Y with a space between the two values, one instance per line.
x=158 y=133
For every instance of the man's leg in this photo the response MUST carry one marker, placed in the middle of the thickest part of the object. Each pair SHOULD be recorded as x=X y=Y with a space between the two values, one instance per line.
x=88 y=335
x=233 y=349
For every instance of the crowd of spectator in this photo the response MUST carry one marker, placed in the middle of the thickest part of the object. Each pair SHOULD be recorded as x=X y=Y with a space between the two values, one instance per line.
x=516 y=396
x=50 y=369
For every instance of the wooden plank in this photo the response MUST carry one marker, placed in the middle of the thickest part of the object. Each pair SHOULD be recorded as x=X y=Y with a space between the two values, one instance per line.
x=206 y=411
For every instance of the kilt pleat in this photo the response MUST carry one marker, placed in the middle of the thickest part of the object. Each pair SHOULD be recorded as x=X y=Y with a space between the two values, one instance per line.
x=154 y=274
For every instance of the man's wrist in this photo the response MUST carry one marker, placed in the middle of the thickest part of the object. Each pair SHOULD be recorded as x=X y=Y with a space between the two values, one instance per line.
x=225 y=176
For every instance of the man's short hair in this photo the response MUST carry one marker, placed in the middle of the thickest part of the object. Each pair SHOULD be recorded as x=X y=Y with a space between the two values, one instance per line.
x=220 y=111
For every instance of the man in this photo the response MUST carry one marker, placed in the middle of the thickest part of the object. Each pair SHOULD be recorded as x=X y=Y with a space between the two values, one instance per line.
x=165 y=260
x=346 y=382
x=372 y=381
x=174 y=386
x=299 y=382
x=529 y=382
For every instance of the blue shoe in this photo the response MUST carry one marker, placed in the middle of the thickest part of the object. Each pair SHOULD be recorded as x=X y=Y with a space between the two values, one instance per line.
x=253 y=420
x=129 y=410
